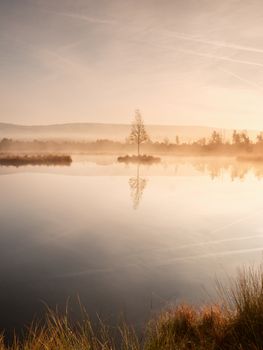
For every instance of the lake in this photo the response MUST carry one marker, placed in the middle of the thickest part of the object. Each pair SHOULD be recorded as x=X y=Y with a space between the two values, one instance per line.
x=125 y=239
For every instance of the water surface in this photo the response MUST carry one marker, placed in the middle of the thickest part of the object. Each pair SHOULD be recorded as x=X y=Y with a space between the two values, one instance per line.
x=125 y=239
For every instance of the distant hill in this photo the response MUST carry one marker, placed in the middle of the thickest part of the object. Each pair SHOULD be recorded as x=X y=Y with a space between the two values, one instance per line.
x=94 y=131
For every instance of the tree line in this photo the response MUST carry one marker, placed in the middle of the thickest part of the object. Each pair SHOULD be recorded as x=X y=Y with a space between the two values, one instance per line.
x=240 y=143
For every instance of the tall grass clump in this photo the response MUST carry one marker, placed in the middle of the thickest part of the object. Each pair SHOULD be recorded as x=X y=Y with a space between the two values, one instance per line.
x=186 y=327
x=236 y=323
x=244 y=306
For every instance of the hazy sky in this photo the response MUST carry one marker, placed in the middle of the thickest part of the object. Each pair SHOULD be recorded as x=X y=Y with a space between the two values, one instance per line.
x=197 y=62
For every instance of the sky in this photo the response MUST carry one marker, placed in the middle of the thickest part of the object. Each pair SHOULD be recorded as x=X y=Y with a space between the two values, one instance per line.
x=181 y=62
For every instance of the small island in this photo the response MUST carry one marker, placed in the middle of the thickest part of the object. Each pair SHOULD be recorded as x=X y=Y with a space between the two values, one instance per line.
x=143 y=159
x=138 y=136
x=34 y=159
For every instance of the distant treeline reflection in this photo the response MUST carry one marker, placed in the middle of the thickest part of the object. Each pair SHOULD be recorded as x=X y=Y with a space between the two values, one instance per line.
x=216 y=144
x=224 y=168
x=234 y=169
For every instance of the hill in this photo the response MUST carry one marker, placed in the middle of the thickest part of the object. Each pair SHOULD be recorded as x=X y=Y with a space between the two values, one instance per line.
x=94 y=131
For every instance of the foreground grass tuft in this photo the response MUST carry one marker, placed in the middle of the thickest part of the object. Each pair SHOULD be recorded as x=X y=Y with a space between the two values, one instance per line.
x=236 y=324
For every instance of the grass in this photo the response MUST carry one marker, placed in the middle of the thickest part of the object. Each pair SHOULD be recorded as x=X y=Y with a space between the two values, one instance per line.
x=34 y=159
x=236 y=324
x=59 y=333
x=144 y=159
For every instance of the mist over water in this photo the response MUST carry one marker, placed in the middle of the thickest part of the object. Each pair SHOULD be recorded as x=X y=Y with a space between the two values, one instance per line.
x=125 y=238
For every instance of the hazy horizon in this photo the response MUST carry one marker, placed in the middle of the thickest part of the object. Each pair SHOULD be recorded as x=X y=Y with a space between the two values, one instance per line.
x=128 y=123
x=112 y=131
x=181 y=63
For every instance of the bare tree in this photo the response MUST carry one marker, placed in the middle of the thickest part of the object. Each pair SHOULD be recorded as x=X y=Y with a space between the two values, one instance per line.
x=138 y=133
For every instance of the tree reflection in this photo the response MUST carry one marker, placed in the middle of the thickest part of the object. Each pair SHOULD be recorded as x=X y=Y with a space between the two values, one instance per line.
x=236 y=170
x=137 y=186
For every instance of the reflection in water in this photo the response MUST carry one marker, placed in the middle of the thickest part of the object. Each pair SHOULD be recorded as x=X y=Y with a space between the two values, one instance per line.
x=212 y=167
x=137 y=186
x=235 y=169
x=215 y=168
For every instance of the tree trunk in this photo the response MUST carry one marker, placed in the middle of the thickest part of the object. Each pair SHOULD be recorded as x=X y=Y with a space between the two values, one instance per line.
x=138 y=149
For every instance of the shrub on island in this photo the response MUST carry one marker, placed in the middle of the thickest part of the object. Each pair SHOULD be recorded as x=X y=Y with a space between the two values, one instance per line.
x=145 y=159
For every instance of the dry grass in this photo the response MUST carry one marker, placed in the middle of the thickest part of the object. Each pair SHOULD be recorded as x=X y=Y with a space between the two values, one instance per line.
x=59 y=333
x=236 y=324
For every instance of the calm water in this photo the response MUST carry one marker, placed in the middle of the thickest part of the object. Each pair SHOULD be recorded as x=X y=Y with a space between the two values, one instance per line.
x=125 y=239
